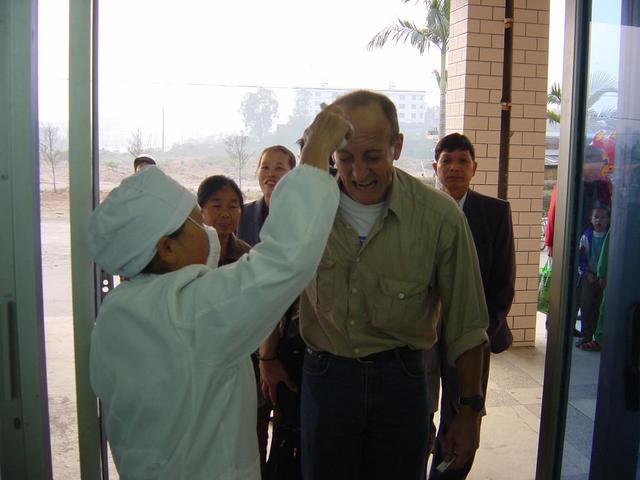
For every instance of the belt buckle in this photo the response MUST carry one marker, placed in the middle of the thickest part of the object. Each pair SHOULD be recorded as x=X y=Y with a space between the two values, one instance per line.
x=364 y=362
x=315 y=353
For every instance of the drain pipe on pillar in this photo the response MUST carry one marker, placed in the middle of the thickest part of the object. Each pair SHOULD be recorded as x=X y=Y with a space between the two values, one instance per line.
x=505 y=103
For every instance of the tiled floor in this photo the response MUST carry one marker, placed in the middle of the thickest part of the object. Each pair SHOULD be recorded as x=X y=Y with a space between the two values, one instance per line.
x=581 y=412
x=509 y=437
x=509 y=442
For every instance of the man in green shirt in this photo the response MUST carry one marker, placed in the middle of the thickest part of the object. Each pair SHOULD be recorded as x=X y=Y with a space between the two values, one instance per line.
x=400 y=255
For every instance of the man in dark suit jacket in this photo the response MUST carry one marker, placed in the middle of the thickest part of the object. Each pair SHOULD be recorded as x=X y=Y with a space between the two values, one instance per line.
x=490 y=222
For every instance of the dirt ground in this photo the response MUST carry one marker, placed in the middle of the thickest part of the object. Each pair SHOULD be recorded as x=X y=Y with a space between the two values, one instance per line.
x=56 y=273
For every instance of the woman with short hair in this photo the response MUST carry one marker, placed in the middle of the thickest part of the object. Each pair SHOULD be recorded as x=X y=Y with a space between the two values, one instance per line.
x=221 y=202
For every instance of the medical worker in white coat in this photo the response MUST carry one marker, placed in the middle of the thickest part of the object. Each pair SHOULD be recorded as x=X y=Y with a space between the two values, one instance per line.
x=170 y=348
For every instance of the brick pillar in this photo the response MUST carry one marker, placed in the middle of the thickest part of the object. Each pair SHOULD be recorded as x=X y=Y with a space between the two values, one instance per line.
x=473 y=108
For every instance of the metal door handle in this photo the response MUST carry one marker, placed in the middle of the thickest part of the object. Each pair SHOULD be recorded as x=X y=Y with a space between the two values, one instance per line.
x=632 y=366
x=6 y=353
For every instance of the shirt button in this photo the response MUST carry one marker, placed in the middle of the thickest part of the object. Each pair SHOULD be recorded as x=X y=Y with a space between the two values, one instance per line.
x=352 y=322
x=401 y=295
x=354 y=290
x=357 y=259
x=356 y=350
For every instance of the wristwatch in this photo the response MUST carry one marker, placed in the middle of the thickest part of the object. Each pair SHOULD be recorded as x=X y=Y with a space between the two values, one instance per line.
x=476 y=402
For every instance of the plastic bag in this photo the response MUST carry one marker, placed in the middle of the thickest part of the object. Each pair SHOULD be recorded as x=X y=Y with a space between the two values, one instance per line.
x=544 y=287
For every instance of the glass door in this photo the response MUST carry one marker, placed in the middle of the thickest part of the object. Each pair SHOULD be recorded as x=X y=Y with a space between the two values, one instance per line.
x=590 y=414
x=24 y=433
x=617 y=420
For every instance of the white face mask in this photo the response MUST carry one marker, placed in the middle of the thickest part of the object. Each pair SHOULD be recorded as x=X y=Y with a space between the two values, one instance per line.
x=214 y=244
x=214 y=247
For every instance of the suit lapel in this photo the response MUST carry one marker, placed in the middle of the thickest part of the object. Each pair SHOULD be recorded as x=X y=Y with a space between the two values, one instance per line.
x=470 y=209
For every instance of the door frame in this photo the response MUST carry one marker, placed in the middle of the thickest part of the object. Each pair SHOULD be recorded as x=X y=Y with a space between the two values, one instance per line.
x=83 y=196
x=25 y=450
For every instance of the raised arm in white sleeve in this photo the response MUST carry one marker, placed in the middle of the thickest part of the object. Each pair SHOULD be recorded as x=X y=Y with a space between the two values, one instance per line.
x=242 y=302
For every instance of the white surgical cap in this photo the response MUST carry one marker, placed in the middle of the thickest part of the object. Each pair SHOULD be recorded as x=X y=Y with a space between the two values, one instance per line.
x=125 y=228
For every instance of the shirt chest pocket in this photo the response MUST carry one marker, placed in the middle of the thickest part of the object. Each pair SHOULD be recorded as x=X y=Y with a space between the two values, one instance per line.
x=399 y=306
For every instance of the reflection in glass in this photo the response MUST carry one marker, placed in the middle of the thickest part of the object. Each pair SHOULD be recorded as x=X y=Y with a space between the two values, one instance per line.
x=593 y=220
x=607 y=260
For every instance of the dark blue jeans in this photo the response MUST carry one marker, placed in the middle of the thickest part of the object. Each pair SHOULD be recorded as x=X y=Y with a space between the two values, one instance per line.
x=364 y=420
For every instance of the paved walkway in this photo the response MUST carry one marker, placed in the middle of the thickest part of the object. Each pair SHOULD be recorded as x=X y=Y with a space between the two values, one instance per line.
x=509 y=436
x=509 y=441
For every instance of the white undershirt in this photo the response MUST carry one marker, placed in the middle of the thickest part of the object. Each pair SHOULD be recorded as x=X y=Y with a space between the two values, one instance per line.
x=462 y=200
x=360 y=217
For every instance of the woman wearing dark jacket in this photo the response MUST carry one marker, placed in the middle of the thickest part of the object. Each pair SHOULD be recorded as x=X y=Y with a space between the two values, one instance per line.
x=275 y=162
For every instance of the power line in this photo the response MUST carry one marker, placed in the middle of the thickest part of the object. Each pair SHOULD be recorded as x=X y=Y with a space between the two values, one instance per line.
x=273 y=87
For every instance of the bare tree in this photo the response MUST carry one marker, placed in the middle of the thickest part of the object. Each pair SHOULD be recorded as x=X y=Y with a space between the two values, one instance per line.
x=135 y=146
x=49 y=148
x=236 y=147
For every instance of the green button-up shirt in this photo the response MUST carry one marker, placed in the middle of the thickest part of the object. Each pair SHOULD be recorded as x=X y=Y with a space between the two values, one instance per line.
x=418 y=258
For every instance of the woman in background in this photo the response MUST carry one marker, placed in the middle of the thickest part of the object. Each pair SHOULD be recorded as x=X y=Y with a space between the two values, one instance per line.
x=274 y=163
x=221 y=203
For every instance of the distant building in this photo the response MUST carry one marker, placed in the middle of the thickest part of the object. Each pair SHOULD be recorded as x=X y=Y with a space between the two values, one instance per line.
x=551 y=164
x=411 y=105
x=551 y=156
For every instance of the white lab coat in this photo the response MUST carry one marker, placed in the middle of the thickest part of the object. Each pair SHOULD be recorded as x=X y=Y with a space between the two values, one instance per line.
x=170 y=353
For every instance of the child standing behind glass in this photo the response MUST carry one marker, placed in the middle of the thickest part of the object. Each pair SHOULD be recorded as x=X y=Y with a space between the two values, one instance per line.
x=589 y=290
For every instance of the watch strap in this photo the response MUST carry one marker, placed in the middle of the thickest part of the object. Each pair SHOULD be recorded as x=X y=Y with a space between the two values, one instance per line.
x=476 y=402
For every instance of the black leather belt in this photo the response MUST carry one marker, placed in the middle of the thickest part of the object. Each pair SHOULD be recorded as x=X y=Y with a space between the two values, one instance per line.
x=379 y=357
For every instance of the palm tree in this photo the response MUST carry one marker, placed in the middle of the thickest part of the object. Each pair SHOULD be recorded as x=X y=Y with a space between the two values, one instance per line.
x=435 y=32
x=600 y=83
x=554 y=97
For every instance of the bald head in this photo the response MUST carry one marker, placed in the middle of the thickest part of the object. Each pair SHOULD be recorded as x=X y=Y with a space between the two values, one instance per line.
x=363 y=98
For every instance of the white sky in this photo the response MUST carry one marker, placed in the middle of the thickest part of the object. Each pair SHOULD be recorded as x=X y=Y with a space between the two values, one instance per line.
x=157 y=54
